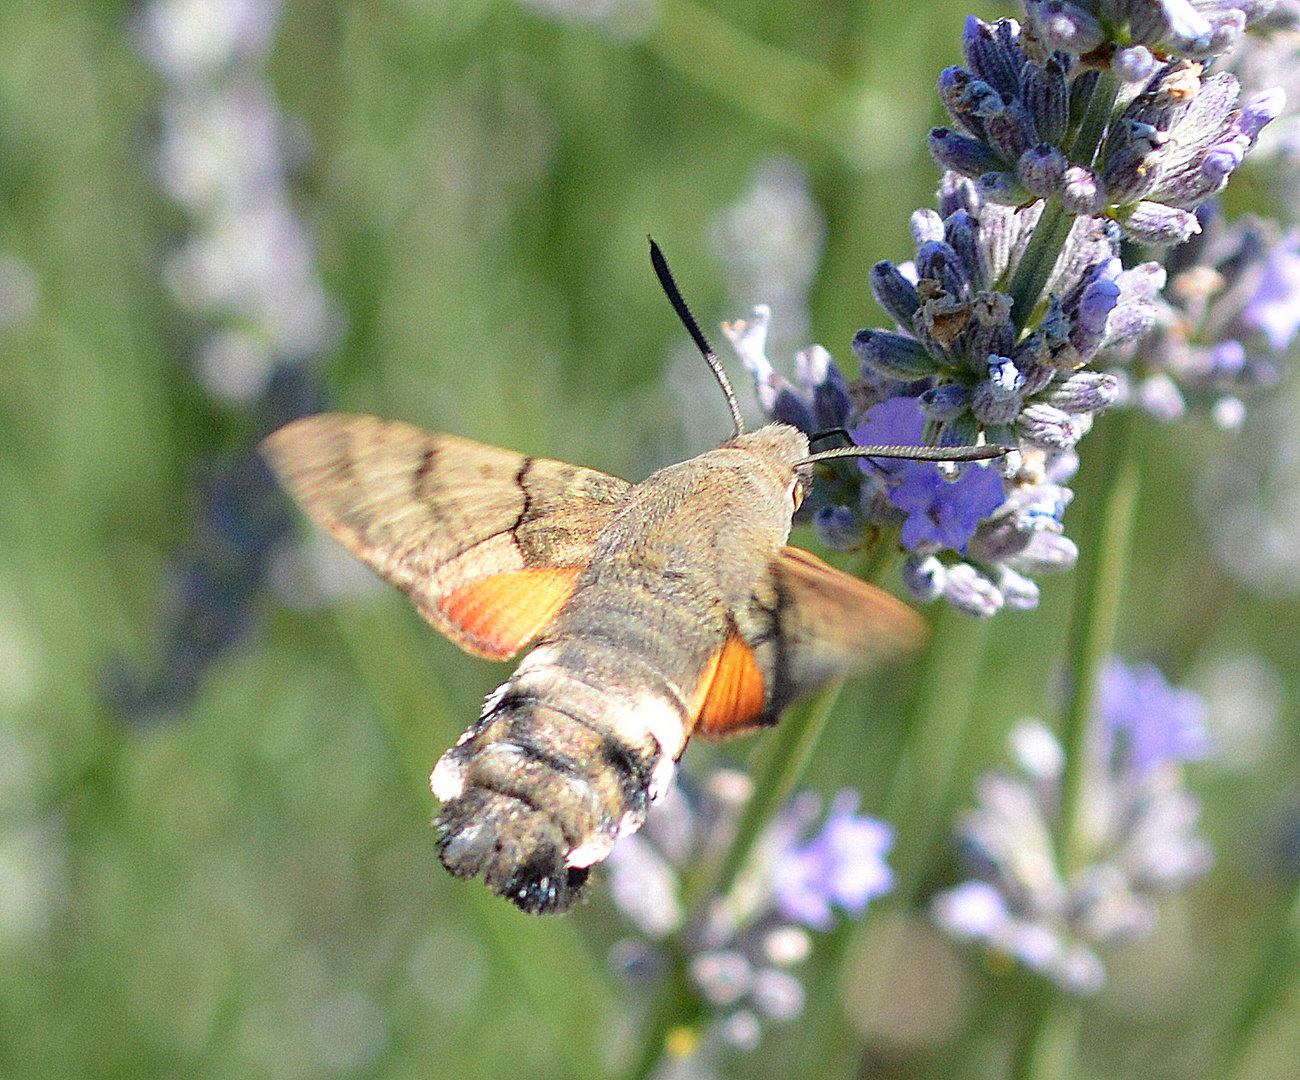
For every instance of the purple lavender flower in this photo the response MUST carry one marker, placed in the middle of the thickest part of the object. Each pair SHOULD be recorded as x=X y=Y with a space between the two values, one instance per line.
x=844 y=864
x=1146 y=720
x=940 y=513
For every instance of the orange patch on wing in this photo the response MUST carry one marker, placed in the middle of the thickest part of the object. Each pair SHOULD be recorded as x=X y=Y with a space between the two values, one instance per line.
x=731 y=693
x=501 y=614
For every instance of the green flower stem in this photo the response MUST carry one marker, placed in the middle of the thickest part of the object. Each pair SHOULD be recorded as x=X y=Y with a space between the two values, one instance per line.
x=1048 y=1051
x=1096 y=120
x=1038 y=262
x=1269 y=1001
x=1099 y=583
x=921 y=791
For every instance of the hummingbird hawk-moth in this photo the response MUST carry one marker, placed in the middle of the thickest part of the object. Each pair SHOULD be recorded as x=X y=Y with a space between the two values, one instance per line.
x=661 y=610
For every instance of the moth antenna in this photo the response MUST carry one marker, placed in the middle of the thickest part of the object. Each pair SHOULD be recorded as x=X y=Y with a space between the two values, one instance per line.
x=674 y=295
x=911 y=453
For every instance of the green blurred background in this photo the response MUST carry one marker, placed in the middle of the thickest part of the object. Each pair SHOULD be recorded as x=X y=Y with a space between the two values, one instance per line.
x=246 y=884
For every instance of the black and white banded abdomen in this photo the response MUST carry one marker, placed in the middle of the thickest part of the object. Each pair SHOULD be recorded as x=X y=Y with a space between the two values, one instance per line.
x=557 y=768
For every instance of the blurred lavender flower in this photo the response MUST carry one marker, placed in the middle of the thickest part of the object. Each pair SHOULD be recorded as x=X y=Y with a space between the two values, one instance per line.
x=1135 y=823
x=1145 y=720
x=843 y=864
x=247 y=271
x=1096 y=29
x=740 y=947
x=1230 y=309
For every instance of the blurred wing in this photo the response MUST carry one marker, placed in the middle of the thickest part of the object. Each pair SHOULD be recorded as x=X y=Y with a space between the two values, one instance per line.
x=488 y=543
x=806 y=624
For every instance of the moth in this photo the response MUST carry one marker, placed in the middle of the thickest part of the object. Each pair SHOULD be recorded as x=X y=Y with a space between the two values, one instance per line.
x=660 y=610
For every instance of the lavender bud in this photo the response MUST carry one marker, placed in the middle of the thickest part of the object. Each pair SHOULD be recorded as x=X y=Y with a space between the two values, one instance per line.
x=1132 y=171
x=924 y=577
x=1133 y=65
x=790 y=408
x=1003 y=188
x=1082 y=192
x=1173 y=23
x=968 y=99
x=1219 y=163
x=991 y=53
x=723 y=976
x=1089 y=330
x=1226 y=359
x=1066 y=26
x=968 y=590
x=1084 y=392
x=1160 y=397
x=962 y=154
x=778 y=994
x=894 y=293
x=1018 y=591
x=945 y=402
x=973 y=910
x=893 y=355
x=1047 y=552
x=1041 y=169
x=1156 y=224
x=927 y=227
x=1011 y=132
x=1261 y=108
x=998 y=538
x=1047 y=97
x=962 y=231
x=1049 y=427
x=939 y=261
x=997 y=399
x=1135 y=313
x=1228 y=414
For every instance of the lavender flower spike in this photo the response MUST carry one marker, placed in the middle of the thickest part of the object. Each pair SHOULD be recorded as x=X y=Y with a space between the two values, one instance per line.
x=844 y=864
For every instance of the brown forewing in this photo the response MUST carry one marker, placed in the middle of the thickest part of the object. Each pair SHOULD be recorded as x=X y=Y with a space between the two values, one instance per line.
x=441 y=517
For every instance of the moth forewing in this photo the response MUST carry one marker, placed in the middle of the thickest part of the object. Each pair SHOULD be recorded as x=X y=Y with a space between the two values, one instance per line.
x=486 y=542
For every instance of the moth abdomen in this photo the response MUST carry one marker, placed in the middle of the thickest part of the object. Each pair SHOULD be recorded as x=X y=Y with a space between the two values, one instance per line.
x=518 y=849
x=534 y=795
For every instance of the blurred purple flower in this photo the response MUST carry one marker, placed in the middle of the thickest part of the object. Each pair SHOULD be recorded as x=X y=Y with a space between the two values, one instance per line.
x=844 y=864
x=939 y=512
x=1275 y=307
x=1152 y=722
